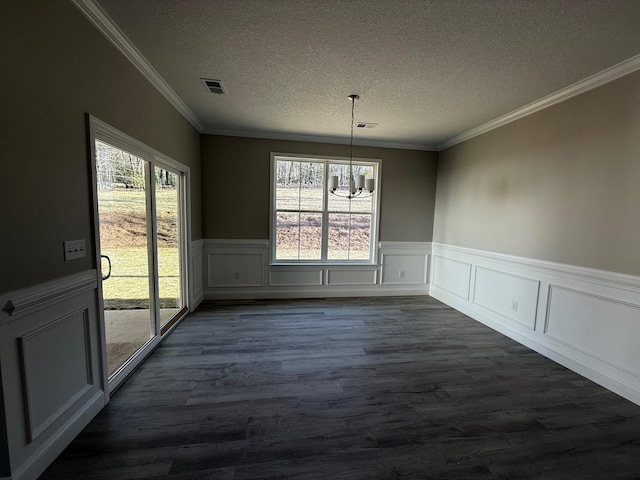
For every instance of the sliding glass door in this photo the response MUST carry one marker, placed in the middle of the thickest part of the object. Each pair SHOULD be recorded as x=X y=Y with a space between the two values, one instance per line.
x=125 y=249
x=140 y=222
x=168 y=221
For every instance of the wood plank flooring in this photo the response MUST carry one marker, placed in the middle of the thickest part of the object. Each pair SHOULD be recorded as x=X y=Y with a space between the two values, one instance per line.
x=367 y=388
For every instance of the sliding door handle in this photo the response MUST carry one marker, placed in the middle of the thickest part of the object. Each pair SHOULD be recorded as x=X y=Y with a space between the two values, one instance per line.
x=104 y=277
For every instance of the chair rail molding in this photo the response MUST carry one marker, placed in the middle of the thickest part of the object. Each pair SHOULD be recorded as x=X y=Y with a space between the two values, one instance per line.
x=25 y=301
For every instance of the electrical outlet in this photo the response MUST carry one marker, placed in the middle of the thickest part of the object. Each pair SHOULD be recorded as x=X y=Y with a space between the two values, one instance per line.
x=401 y=274
x=514 y=305
x=74 y=249
x=236 y=276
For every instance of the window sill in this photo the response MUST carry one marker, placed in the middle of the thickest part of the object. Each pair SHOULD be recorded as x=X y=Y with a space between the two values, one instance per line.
x=363 y=264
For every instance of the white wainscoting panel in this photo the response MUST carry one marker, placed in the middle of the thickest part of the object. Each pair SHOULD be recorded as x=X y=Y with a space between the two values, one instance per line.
x=587 y=320
x=239 y=269
x=236 y=270
x=51 y=387
x=451 y=275
x=512 y=296
x=51 y=369
x=233 y=264
x=602 y=327
x=352 y=276
x=404 y=268
x=291 y=276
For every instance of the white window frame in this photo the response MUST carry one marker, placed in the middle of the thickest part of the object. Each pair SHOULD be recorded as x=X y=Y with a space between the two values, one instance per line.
x=375 y=213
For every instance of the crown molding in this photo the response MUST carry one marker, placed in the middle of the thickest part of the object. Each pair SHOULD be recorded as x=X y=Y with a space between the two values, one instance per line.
x=605 y=76
x=320 y=139
x=109 y=29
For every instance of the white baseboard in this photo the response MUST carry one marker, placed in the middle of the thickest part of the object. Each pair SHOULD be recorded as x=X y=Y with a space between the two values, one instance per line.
x=584 y=319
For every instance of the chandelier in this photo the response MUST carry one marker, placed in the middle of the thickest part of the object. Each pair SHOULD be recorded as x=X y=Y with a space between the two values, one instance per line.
x=358 y=185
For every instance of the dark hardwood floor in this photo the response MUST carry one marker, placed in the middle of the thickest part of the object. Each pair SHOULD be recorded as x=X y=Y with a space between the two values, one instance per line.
x=367 y=388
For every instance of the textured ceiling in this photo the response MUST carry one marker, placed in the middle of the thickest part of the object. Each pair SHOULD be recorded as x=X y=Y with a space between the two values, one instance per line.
x=426 y=71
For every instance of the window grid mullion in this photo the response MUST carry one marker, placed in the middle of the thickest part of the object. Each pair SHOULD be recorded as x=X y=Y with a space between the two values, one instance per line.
x=325 y=217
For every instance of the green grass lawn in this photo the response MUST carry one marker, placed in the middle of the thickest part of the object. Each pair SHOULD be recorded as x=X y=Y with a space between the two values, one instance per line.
x=128 y=286
x=123 y=238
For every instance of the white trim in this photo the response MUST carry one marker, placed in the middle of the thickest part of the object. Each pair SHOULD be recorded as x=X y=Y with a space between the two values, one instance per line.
x=101 y=20
x=19 y=303
x=601 y=277
x=605 y=76
x=320 y=139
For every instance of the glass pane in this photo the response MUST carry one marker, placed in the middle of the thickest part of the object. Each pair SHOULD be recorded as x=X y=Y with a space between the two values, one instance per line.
x=311 y=186
x=360 y=246
x=122 y=210
x=167 y=184
x=338 y=203
x=287 y=183
x=338 y=241
x=287 y=236
x=349 y=236
x=358 y=204
x=310 y=236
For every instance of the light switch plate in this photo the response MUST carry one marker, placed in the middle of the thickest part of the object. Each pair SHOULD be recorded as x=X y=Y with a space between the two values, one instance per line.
x=74 y=249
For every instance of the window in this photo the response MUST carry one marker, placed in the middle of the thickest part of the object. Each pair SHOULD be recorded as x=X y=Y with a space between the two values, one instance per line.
x=310 y=225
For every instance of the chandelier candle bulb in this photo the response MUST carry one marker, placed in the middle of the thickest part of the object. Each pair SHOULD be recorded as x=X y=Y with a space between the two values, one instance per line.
x=359 y=182
x=370 y=184
x=333 y=182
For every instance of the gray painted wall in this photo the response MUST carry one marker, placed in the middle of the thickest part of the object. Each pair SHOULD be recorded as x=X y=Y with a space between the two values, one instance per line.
x=58 y=68
x=240 y=210
x=561 y=185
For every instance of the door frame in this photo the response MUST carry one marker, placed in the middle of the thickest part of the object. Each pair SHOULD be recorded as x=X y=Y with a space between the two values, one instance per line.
x=99 y=130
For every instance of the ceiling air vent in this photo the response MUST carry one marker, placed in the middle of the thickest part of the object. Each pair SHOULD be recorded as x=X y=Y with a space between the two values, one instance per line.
x=214 y=86
x=366 y=125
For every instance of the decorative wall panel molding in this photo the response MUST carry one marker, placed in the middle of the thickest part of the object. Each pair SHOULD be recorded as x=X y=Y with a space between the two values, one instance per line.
x=52 y=387
x=404 y=263
x=511 y=296
x=51 y=360
x=585 y=319
x=292 y=276
x=451 y=275
x=351 y=276
x=240 y=269
x=607 y=329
